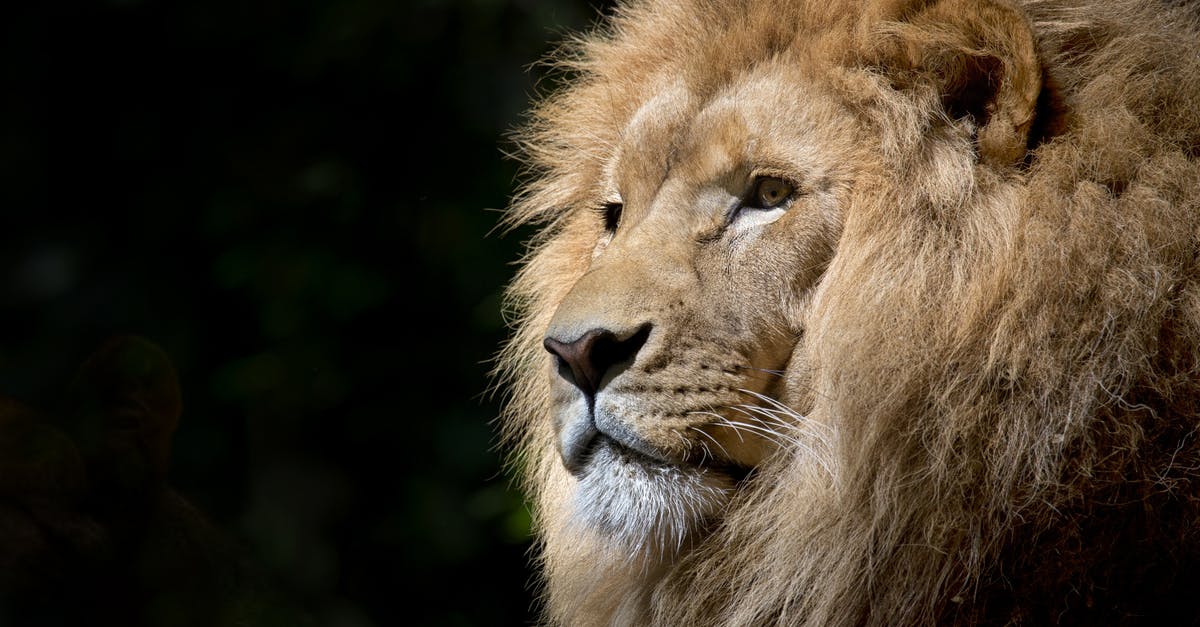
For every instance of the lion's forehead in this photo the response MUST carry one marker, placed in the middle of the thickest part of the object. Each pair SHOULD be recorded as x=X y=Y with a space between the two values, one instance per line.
x=764 y=118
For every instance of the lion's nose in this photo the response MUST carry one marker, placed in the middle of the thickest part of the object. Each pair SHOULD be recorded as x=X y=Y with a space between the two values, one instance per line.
x=588 y=358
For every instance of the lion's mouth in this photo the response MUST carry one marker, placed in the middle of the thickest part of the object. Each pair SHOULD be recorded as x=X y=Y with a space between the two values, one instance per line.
x=613 y=433
x=607 y=446
x=629 y=449
x=599 y=431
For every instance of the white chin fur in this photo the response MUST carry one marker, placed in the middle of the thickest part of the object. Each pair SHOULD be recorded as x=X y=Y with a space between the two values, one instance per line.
x=647 y=508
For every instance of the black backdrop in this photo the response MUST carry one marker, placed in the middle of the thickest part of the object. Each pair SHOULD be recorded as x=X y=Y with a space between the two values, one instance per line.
x=294 y=200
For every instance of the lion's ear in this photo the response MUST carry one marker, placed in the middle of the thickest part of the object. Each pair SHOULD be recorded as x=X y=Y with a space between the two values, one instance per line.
x=981 y=57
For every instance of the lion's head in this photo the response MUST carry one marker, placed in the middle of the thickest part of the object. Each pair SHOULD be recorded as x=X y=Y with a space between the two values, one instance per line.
x=849 y=312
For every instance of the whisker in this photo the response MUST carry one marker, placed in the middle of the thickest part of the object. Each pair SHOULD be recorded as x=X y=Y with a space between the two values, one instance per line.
x=816 y=445
x=780 y=408
x=757 y=372
x=709 y=435
x=774 y=403
x=759 y=428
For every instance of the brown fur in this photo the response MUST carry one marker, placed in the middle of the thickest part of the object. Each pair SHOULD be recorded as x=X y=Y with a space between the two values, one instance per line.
x=993 y=383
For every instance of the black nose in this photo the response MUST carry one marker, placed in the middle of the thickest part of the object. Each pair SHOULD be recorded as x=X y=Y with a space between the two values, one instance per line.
x=589 y=357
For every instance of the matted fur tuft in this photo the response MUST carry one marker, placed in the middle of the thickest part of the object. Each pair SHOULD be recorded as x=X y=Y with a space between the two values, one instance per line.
x=1004 y=359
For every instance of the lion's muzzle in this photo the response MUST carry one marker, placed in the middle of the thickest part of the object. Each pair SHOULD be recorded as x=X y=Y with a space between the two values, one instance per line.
x=588 y=362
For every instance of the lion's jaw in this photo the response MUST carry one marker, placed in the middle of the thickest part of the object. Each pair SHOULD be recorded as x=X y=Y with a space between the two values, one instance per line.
x=675 y=359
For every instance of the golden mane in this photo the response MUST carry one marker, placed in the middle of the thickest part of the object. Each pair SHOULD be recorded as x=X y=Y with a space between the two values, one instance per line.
x=1008 y=360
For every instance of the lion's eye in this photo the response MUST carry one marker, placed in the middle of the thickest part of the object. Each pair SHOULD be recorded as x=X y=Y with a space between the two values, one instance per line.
x=770 y=192
x=612 y=215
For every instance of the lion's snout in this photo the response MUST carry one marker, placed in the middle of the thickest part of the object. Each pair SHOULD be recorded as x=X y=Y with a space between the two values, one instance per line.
x=588 y=363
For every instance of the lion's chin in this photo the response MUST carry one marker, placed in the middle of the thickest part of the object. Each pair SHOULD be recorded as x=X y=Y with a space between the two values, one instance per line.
x=644 y=506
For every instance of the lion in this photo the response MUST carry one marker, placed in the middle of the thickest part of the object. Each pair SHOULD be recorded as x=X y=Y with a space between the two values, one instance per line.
x=879 y=312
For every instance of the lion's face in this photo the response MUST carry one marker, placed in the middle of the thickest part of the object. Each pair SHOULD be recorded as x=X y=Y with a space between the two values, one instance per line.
x=675 y=361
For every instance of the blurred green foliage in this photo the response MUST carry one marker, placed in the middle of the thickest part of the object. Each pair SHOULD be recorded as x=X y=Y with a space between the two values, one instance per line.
x=293 y=200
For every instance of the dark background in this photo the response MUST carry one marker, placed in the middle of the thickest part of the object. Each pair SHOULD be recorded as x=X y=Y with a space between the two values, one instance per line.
x=297 y=201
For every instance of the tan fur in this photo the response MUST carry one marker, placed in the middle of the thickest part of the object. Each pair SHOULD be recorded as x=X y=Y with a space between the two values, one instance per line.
x=962 y=364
